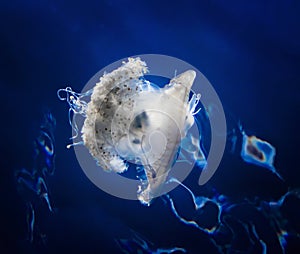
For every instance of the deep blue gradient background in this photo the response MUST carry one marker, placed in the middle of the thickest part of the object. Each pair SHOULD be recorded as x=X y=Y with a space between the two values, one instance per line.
x=249 y=52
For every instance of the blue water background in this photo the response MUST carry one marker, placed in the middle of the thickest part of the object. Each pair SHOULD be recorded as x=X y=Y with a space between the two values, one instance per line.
x=249 y=52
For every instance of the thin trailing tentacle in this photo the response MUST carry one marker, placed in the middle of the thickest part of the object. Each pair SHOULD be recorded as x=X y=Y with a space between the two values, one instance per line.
x=77 y=104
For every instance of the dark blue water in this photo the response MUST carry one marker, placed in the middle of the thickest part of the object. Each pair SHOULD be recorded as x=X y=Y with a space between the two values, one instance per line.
x=249 y=52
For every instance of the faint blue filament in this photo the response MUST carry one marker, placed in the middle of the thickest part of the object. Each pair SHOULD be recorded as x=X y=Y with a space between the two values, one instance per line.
x=32 y=184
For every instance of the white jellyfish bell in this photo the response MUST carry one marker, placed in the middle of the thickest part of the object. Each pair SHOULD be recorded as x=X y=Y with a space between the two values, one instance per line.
x=129 y=119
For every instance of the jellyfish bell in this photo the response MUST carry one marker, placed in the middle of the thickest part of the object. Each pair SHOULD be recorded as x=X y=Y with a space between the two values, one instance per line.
x=124 y=119
x=127 y=119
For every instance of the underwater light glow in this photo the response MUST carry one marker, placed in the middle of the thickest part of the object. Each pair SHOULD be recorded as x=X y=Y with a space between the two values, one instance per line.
x=128 y=119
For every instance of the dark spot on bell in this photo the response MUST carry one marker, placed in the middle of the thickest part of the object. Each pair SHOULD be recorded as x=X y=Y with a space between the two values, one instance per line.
x=136 y=141
x=140 y=120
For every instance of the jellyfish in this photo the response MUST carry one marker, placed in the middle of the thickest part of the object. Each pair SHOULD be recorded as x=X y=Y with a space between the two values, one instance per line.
x=129 y=118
